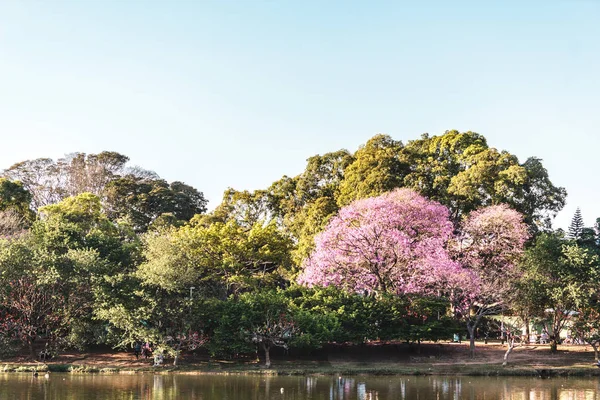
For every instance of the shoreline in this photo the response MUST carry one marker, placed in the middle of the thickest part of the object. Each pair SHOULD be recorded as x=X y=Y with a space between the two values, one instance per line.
x=541 y=371
x=386 y=359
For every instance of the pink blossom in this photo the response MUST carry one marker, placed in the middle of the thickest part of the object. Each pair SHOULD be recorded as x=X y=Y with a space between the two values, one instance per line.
x=394 y=243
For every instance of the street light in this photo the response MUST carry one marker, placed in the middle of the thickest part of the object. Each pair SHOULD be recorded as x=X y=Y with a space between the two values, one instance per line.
x=191 y=290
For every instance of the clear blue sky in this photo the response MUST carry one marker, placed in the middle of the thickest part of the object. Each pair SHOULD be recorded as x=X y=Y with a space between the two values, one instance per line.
x=239 y=93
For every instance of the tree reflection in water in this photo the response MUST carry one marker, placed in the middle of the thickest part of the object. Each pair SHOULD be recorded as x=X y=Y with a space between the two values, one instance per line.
x=234 y=387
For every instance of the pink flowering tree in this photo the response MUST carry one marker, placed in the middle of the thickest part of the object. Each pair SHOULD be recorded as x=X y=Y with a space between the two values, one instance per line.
x=394 y=243
x=489 y=243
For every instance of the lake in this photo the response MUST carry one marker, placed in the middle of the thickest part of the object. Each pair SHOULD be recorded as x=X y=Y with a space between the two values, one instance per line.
x=220 y=387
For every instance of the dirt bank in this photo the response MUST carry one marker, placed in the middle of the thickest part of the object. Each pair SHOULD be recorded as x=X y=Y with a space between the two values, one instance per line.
x=372 y=358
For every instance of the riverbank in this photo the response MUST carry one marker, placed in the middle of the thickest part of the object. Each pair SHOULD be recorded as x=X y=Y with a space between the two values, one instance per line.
x=372 y=359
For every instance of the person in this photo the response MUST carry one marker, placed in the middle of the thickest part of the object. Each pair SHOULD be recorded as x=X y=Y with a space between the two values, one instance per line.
x=45 y=354
x=146 y=350
x=534 y=338
x=544 y=338
x=137 y=349
x=158 y=359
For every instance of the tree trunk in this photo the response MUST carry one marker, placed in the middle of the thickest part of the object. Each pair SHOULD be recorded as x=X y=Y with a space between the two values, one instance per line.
x=595 y=347
x=267 y=355
x=553 y=344
x=511 y=346
x=471 y=330
x=527 y=332
x=177 y=352
x=31 y=350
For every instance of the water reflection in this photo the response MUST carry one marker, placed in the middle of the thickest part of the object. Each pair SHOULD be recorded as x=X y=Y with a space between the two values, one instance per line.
x=213 y=387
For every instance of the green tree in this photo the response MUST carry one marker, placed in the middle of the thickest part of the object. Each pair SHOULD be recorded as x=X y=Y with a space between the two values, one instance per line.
x=462 y=172
x=13 y=196
x=577 y=226
x=143 y=200
x=268 y=319
x=88 y=254
x=358 y=318
x=245 y=208
x=587 y=325
x=15 y=214
x=560 y=280
x=378 y=167
x=218 y=259
x=172 y=321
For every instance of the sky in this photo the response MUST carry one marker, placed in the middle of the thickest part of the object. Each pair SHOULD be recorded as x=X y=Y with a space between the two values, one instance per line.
x=237 y=94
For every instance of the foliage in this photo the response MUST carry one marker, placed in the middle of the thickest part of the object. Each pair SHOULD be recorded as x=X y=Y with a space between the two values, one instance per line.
x=587 y=325
x=462 y=172
x=143 y=200
x=489 y=245
x=577 y=226
x=133 y=193
x=172 y=323
x=394 y=243
x=358 y=318
x=14 y=197
x=560 y=279
x=218 y=259
x=378 y=167
x=51 y=181
x=267 y=319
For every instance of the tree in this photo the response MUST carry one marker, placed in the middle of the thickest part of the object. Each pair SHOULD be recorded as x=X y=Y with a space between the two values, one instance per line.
x=218 y=259
x=14 y=197
x=143 y=200
x=561 y=278
x=30 y=308
x=577 y=226
x=12 y=224
x=393 y=243
x=41 y=178
x=267 y=319
x=356 y=318
x=461 y=171
x=133 y=193
x=245 y=208
x=512 y=330
x=89 y=255
x=90 y=173
x=538 y=199
x=587 y=325
x=32 y=297
x=378 y=167
x=50 y=181
x=488 y=246
x=171 y=321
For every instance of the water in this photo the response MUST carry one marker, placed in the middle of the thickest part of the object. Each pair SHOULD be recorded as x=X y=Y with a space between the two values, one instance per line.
x=217 y=387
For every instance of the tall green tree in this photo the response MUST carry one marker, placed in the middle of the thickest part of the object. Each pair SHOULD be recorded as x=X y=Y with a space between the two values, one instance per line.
x=378 y=167
x=89 y=255
x=577 y=226
x=462 y=172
